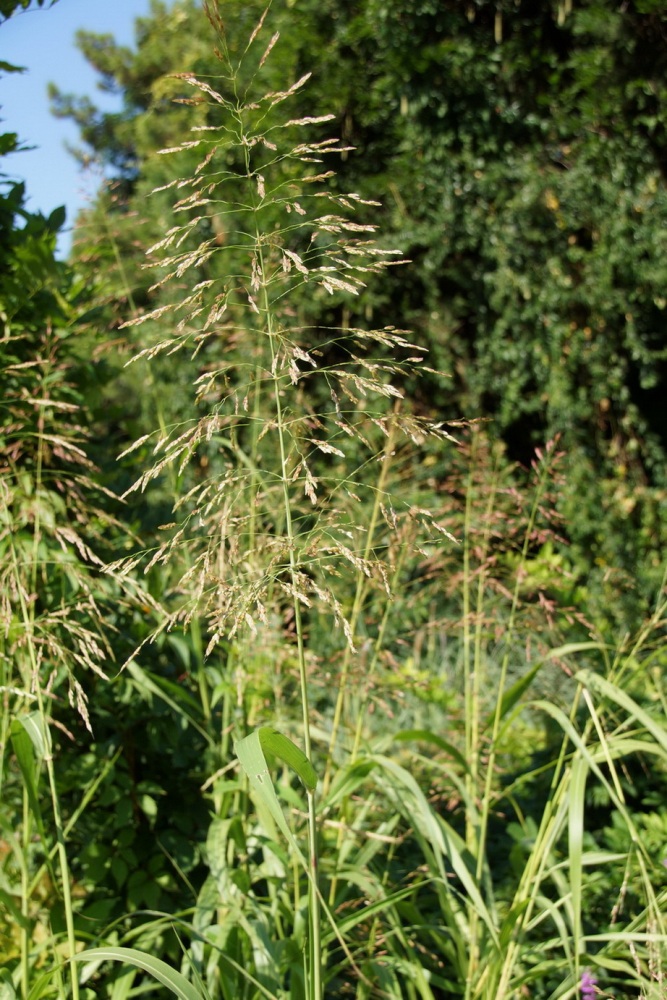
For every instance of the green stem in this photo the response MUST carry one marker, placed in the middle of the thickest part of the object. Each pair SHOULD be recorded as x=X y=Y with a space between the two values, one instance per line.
x=314 y=979
x=314 y=983
x=28 y=614
x=529 y=887
x=62 y=857
x=28 y=618
x=473 y=666
x=377 y=647
x=25 y=898
x=474 y=985
x=497 y=717
x=358 y=603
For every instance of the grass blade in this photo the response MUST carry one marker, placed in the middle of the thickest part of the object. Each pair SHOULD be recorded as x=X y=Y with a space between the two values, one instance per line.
x=250 y=753
x=171 y=978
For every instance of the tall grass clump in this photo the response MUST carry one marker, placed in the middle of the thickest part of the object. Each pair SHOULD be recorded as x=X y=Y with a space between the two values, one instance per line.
x=542 y=740
x=58 y=606
x=290 y=526
x=369 y=844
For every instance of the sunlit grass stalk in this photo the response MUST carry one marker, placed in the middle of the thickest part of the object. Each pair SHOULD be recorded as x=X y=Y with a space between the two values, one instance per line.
x=502 y=681
x=360 y=594
x=254 y=472
x=26 y=837
x=149 y=382
x=480 y=787
x=28 y=615
x=6 y=684
x=65 y=882
x=473 y=667
x=530 y=885
x=313 y=972
x=315 y=978
x=378 y=645
x=473 y=638
x=61 y=849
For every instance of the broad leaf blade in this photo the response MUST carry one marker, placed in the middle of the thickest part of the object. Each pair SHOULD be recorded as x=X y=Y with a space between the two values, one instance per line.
x=251 y=755
x=26 y=741
x=283 y=748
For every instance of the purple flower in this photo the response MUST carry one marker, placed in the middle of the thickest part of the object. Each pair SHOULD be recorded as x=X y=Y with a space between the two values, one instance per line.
x=587 y=985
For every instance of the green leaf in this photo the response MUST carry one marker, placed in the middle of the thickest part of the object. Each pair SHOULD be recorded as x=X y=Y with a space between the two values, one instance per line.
x=16 y=915
x=57 y=218
x=27 y=739
x=251 y=755
x=514 y=693
x=443 y=838
x=158 y=969
x=604 y=687
x=7 y=991
x=425 y=736
x=34 y=725
x=45 y=985
x=282 y=747
x=8 y=140
x=579 y=773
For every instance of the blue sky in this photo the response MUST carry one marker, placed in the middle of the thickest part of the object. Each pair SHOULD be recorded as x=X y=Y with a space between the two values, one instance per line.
x=42 y=40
